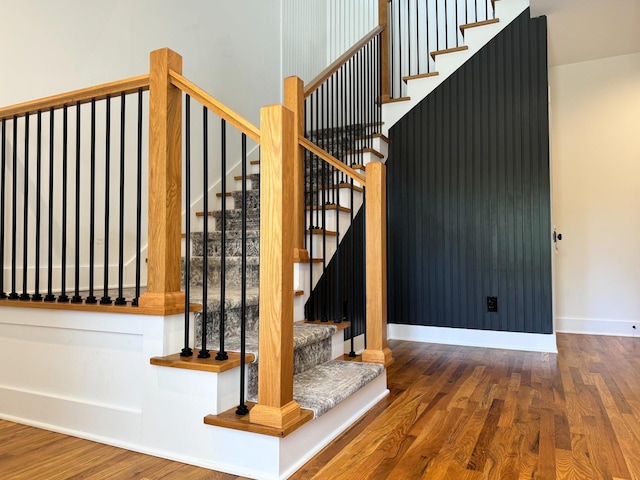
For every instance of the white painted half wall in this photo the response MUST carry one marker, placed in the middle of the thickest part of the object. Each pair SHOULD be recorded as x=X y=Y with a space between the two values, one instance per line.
x=595 y=155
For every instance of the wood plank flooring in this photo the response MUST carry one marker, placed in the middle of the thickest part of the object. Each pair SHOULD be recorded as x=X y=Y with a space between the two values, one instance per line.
x=453 y=413
x=471 y=413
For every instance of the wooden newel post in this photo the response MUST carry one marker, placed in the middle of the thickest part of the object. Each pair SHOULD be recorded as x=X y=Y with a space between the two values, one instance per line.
x=165 y=186
x=276 y=407
x=294 y=100
x=377 y=350
x=383 y=19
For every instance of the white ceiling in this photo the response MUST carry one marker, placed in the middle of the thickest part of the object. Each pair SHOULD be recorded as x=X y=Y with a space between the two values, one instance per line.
x=581 y=30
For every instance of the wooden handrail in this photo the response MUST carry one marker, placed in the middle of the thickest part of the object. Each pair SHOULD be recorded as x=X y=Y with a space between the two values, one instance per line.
x=246 y=127
x=313 y=85
x=294 y=100
x=84 y=95
x=333 y=161
x=383 y=18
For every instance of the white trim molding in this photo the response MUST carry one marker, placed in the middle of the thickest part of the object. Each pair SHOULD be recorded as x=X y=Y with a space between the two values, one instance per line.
x=530 y=342
x=598 y=326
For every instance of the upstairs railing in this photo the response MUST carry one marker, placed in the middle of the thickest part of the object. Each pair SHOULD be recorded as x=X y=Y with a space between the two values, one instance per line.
x=419 y=30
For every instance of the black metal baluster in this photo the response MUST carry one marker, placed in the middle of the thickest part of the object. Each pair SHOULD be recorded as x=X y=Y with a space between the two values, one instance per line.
x=3 y=156
x=323 y=225
x=307 y=237
x=352 y=271
x=25 y=213
x=63 y=298
x=37 y=297
x=242 y=408
x=120 y=300
x=222 y=354
x=337 y=318
x=50 y=297
x=437 y=28
x=409 y=37
x=14 y=197
x=204 y=352
x=76 y=297
x=186 y=350
x=426 y=42
x=456 y=28
x=400 y=58
x=362 y=272
x=446 y=25
x=92 y=208
x=106 y=299
x=134 y=302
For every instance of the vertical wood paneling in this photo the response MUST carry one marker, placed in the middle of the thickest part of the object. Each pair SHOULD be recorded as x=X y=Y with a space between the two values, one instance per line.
x=304 y=38
x=468 y=191
x=348 y=21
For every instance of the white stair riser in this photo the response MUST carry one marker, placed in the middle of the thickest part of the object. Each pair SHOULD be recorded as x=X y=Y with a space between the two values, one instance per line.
x=446 y=64
x=330 y=222
x=318 y=247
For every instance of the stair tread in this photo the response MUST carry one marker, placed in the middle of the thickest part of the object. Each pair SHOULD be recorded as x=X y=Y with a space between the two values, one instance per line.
x=397 y=99
x=373 y=151
x=324 y=386
x=341 y=185
x=201 y=364
x=303 y=335
x=340 y=326
x=329 y=207
x=381 y=136
x=448 y=50
x=478 y=24
x=319 y=231
x=406 y=78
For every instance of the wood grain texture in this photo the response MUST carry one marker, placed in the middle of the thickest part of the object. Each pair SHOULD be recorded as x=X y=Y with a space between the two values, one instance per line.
x=430 y=424
x=214 y=105
x=148 y=309
x=294 y=101
x=230 y=419
x=201 y=364
x=383 y=21
x=333 y=161
x=165 y=183
x=448 y=50
x=464 y=412
x=30 y=453
x=275 y=378
x=85 y=95
x=314 y=84
x=376 y=261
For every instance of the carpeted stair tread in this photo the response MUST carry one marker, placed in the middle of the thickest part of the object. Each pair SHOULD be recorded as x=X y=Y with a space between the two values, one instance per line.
x=303 y=336
x=232 y=297
x=324 y=386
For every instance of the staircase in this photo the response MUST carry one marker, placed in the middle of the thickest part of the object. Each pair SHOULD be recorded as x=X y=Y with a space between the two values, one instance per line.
x=165 y=418
x=321 y=378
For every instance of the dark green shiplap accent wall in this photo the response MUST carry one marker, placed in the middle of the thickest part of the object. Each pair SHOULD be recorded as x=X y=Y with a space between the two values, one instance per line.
x=469 y=197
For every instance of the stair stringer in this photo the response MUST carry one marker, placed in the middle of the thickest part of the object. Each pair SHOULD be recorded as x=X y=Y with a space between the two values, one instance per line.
x=446 y=64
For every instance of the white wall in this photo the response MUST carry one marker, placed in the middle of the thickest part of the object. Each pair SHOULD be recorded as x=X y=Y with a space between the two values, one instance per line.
x=231 y=49
x=51 y=47
x=595 y=124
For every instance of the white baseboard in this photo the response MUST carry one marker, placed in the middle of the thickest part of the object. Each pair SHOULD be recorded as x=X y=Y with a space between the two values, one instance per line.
x=598 y=326
x=531 y=342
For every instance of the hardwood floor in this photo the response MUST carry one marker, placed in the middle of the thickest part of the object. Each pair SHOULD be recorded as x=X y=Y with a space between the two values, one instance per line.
x=471 y=413
x=453 y=413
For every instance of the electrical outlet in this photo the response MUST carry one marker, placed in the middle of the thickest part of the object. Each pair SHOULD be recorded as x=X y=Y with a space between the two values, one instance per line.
x=492 y=304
